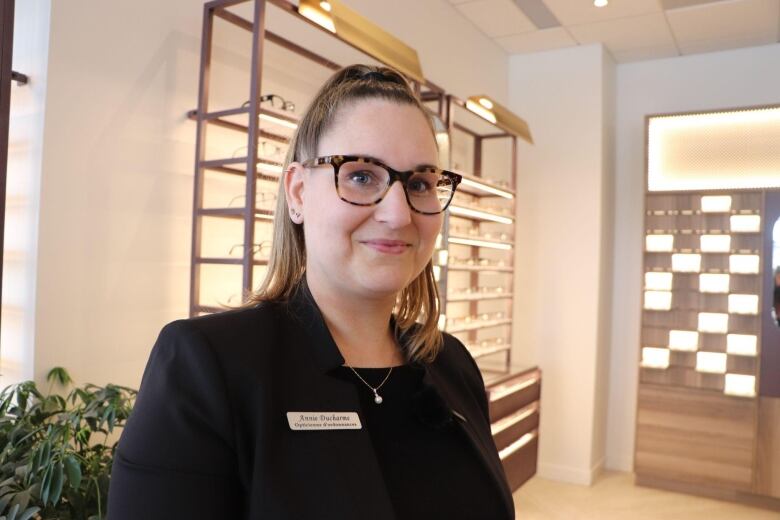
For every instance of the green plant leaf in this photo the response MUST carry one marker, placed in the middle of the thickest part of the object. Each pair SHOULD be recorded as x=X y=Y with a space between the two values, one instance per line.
x=73 y=470
x=12 y=512
x=56 y=484
x=46 y=485
x=21 y=499
x=60 y=375
x=29 y=513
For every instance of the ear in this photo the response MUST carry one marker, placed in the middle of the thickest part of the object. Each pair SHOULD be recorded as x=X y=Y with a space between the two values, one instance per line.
x=294 y=181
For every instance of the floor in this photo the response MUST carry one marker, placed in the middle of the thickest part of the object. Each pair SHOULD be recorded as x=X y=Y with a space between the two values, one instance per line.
x=614 y=497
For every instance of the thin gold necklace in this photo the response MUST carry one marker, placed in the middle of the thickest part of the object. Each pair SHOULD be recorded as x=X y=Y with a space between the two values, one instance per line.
x=377 y=398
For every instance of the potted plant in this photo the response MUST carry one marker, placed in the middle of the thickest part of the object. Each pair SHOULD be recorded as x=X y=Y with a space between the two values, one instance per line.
x=54 y=463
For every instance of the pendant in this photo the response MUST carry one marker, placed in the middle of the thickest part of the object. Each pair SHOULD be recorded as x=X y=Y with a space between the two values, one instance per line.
x=377 y=398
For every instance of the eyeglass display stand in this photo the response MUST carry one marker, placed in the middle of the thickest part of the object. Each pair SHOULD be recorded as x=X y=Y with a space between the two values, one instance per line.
x=708 y=413
x=222 y=227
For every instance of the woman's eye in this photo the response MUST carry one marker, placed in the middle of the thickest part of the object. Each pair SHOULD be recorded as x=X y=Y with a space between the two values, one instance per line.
x=364 y=177
x=419 y=185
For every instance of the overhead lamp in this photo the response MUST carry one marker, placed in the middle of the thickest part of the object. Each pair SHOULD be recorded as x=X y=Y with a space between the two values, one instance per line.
x=742 y=344
x=658 y=281
x=364 y=35
x=318 y=13
x=499 y=116
x=600 y=3
x=468 y=212
x=481 y=111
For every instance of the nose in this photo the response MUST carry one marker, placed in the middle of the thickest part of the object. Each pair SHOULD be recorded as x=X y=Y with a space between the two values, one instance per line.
x=393 y=208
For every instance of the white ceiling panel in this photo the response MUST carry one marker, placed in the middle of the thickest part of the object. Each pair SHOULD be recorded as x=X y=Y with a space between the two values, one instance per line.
x=535 y=41
x=628 y=34
x=725 y=25
x=496 y=17
x=574 y=12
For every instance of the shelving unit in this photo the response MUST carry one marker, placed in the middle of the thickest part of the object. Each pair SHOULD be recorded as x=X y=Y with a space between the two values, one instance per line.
x=708 y=402
x=477 y=252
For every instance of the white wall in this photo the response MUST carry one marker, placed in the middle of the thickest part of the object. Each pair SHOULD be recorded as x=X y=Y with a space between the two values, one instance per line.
x=735 y=78
x=25 y=148
x=115 y=210
x=564 y=248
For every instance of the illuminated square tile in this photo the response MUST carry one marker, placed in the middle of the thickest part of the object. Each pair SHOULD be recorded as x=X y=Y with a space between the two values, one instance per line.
x=686 y=263
x=658 y=300
x=743 y=304
x=653 y=357
x=716 y=203
x=658 y=281
x=744 y=264
x=711 y=362
x=742 y=344
x=715 y=243
x=685 y=340
x=745 y=223
x=740 y=384
x=714 y=283
x=659 y=243
x=713 y=322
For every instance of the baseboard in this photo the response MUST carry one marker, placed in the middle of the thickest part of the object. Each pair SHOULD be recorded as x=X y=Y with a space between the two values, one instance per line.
x=569 y=474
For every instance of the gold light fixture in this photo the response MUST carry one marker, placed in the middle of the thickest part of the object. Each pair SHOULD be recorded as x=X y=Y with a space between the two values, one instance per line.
x=364 y=35
x=490 y=110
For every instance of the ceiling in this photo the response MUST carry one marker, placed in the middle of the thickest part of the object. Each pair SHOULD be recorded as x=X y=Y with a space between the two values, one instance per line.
x=632 y=30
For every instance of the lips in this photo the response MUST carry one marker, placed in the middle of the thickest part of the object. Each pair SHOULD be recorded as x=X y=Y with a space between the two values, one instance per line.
x=388 y=246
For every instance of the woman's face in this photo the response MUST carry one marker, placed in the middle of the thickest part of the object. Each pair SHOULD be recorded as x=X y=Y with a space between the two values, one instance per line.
x=342 y=240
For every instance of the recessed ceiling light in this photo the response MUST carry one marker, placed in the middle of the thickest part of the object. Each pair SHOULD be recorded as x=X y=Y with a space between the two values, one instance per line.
x=600 y=3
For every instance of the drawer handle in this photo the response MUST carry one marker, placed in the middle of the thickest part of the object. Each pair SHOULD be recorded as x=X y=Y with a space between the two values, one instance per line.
x=513 y=419
x=519 y=443
x=503 y=392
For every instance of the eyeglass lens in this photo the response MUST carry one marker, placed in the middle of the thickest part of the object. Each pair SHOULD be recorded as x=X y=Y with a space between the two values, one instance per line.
x=365 y=183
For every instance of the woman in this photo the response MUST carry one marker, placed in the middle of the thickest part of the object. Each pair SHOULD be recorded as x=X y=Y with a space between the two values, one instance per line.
x=314 y=400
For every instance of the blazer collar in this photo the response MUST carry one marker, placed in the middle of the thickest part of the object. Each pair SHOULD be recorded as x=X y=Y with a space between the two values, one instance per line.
x=325 y=354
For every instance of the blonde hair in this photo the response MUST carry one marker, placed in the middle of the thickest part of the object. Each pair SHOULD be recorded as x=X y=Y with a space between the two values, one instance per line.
x=287 y=261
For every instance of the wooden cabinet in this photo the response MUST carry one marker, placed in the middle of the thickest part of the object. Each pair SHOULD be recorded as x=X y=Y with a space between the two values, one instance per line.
x=514 y=402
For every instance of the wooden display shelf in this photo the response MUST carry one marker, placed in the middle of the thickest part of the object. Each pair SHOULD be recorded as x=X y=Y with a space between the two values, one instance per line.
x=479 y=268
x=478 y=297
x=479 y=324
x=234 y=213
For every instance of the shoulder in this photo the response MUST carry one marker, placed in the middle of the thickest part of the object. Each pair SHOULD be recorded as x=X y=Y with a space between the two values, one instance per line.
x=455 y=357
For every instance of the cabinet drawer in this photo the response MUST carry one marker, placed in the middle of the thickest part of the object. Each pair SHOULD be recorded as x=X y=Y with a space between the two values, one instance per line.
x=519 y=459
x=513 y=426
x=513 y=394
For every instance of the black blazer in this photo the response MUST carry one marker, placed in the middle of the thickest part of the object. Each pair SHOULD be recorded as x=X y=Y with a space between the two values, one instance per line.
x=209 y=437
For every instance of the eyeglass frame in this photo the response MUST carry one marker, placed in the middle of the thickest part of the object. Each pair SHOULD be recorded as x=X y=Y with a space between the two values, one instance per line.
x=394 y=175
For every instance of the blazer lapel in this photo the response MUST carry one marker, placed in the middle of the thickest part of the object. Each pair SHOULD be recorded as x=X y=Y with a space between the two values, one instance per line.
x=483 y=445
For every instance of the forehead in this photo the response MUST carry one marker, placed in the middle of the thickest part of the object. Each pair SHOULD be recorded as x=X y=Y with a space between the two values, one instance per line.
x=396 y=134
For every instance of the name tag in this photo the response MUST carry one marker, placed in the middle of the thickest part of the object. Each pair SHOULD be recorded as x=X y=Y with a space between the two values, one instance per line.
x=324 y=420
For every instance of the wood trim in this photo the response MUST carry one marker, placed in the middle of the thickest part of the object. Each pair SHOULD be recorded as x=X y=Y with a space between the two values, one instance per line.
x=767 y=480
x=695 y=436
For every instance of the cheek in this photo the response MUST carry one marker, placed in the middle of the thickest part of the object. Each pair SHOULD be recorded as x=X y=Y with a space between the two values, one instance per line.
x=429 y=228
